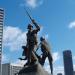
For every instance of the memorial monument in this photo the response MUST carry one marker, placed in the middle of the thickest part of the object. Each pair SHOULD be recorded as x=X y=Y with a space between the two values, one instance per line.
x=34 y=64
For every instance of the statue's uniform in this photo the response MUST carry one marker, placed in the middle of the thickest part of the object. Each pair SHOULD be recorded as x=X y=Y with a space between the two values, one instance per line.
x=32 y=43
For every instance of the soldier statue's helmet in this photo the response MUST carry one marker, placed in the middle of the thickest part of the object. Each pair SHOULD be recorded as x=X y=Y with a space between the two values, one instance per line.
x=29 y=26
x=42 y=38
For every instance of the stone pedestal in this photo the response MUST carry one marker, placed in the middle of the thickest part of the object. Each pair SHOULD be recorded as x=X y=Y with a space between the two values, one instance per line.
x=33 y=70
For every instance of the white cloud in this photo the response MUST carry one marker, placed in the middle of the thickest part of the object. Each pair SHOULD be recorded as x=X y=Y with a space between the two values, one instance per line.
x=74 y=57
x=32 y=3
x=72 y=25
x=4 y=58
x=13 y=38
x=56 y=56
x=19 y=62
x=59 y=69
x=47 y=68
x=56 y=70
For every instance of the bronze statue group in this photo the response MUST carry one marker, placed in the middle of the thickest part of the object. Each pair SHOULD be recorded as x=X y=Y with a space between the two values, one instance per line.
x=29 y=51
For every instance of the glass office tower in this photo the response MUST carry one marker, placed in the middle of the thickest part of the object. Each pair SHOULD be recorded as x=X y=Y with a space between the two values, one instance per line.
x=68 y=63
x=1 y=37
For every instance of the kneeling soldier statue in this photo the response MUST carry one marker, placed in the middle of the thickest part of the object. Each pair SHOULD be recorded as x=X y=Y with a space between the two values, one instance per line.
x=46 y=53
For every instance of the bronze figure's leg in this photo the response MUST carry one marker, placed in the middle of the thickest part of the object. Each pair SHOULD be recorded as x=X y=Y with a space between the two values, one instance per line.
x=50 y=62
x=43 y=59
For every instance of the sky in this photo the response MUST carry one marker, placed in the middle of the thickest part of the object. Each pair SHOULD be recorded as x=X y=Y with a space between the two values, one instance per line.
x=57 y=21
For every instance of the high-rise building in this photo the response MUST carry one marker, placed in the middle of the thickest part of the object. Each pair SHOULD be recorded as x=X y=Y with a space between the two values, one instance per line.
x=10 y=69
x=1 y=36
x=73 y=72
x=59 y=74
x=68 y=63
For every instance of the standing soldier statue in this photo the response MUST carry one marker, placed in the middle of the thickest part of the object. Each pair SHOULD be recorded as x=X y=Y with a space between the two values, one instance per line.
x=32 y=41
x=29 y=49
x=46 y=53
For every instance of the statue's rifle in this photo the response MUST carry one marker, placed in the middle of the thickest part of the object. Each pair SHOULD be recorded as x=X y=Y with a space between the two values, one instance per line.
x=29 y=15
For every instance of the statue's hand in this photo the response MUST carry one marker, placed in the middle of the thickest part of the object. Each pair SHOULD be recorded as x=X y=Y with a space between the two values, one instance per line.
x=33 y=21
x=20 y=58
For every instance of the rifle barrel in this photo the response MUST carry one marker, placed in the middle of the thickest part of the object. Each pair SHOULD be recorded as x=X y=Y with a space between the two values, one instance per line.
x=28 y=15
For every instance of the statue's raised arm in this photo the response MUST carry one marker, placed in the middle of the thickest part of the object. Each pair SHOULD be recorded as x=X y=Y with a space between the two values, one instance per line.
x=36 y=25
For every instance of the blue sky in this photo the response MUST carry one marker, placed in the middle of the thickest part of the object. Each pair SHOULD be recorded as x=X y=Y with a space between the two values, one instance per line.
x=57 y=20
